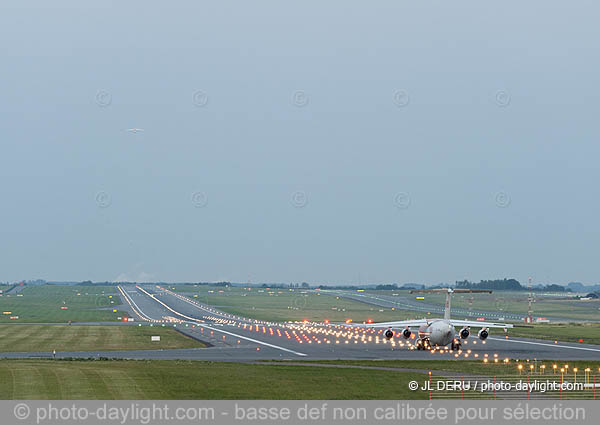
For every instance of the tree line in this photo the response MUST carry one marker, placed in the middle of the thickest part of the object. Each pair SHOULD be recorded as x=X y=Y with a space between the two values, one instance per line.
x=507 y=285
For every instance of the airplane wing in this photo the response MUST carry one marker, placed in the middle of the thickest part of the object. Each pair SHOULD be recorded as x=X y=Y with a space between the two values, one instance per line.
x=478 y=324
x=446 y=290
x=397 y=324
x=447 y=319
x=419 y=322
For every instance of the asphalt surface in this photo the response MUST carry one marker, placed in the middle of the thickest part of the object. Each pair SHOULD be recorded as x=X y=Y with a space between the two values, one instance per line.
x=234 y=338
x=14 y=290
x=411 y=304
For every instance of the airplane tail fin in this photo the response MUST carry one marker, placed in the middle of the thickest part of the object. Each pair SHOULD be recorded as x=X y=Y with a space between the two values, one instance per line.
x=449 y=292
x=447 y=309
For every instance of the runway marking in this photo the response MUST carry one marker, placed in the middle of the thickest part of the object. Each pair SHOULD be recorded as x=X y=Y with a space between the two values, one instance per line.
x=198 y=322
x=190 y=302
x=253 y=340
x=547 y=345
x=136 y=309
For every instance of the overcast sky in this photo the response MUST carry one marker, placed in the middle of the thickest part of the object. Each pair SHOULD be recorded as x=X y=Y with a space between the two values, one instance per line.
x=340 y=142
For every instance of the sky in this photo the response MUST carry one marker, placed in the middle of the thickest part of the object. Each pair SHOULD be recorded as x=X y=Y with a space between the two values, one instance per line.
x=327 y=142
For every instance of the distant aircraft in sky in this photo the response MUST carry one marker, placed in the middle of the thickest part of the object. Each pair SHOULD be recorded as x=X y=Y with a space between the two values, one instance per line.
x=134 y=130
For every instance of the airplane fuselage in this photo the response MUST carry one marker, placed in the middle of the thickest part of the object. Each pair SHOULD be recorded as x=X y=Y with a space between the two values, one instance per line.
x=438 y=332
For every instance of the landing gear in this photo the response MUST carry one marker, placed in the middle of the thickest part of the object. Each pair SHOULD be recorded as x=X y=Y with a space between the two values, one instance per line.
x=419 y=344
x=455 y=345
x=423 y=344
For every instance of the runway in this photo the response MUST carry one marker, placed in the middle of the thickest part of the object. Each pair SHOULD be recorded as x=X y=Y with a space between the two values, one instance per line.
x=411 y=304
x=235 y=338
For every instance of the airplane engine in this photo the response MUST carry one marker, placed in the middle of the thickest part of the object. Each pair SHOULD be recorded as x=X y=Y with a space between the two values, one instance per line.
x=464 y=333
x=406 y=333
x=389 y=334
x=483 y=334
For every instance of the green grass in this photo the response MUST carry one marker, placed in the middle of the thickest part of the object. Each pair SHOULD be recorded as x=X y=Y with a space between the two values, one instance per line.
x=298 y=304
x=284 y=304
x=469 y=367
x=161 y=380
x=588 y=332
x=42 y=304
x=46 y=338
x=546 y=304
x=506 y=372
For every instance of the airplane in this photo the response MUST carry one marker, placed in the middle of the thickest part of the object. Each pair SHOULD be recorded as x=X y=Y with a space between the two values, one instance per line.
x=134 y=130
x=440 y=332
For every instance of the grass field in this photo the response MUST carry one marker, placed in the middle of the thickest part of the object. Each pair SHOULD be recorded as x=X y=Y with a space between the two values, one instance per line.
x=285 y=304
x=545 y=304
x=46 y=338
x=162 y=380
x=532 y=371
x=298 y=304
x=473 y=367
x=43 y=304
x=589 y=333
